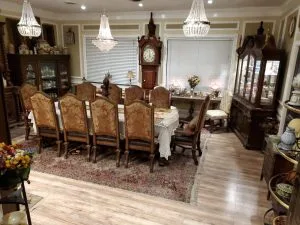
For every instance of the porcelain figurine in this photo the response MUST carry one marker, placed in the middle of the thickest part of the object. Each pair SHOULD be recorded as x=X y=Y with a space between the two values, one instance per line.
x=295 y=98
x=288 y=139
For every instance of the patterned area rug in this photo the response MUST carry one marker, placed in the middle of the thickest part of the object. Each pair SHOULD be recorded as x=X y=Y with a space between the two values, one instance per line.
x=174 y=181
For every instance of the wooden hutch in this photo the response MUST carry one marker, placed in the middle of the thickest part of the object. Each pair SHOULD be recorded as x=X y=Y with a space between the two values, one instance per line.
x=50 y=73
x=258 y=78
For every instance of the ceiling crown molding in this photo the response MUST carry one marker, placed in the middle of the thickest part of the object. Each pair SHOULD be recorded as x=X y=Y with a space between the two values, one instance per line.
x=144 y=15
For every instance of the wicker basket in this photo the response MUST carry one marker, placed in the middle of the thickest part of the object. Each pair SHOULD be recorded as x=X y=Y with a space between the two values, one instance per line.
x=280 y=220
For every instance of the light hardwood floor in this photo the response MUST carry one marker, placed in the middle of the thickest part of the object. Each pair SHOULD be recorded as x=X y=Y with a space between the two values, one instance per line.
x=227 y=191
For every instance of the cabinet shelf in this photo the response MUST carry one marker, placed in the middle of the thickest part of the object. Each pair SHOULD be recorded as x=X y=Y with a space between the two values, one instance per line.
x=272 y=188
x=289 y=155
x=292 y=108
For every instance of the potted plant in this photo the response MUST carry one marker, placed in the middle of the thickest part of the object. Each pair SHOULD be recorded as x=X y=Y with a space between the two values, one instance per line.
x=193 y=80
x=14 y=165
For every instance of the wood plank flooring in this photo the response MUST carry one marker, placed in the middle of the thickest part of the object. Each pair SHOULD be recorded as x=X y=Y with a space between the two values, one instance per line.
x=227 y=191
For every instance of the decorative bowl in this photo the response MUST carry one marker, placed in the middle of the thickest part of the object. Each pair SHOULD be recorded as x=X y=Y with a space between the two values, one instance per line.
x=284 y=190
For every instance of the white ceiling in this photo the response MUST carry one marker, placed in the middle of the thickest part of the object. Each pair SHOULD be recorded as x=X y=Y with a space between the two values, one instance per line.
x=149 y=5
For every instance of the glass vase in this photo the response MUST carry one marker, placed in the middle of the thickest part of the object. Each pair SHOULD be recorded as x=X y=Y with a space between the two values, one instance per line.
x=192 y=92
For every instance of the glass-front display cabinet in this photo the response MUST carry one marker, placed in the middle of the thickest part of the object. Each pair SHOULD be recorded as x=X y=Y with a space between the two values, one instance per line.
x=50 y=73
x=257 y=85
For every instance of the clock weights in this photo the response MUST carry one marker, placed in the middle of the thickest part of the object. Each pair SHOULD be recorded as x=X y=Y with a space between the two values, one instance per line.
x=149 y=56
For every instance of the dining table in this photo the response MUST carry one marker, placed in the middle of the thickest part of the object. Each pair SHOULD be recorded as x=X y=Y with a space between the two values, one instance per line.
x=165 y=123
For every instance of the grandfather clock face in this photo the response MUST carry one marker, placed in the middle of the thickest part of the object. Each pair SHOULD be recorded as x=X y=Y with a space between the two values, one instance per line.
x=149 y=54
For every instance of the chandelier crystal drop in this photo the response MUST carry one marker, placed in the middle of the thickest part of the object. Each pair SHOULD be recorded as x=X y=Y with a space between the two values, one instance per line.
x=28 y=26
x=104 y=41
x=196 y=24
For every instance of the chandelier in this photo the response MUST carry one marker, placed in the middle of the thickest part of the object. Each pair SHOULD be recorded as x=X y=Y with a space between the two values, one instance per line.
x=28 y=26
x=196 y=24
x=104 y=41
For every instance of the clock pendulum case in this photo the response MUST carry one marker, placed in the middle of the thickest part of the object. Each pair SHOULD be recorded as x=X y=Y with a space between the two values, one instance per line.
x=149 y=56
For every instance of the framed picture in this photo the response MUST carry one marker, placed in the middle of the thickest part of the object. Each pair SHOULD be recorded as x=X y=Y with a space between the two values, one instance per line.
x=69 y=37
x=292 y=26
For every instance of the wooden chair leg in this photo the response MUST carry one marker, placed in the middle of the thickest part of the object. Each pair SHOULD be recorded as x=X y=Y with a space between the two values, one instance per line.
x=66 y=149
x=174 y=147
x=27 y=131
x=194 y=156
x=58 y=142
x=126 y=158
x=199 y=148
x=40 y=144
x=94 y=150
x=88 y=148
x=118 y=156
x=151 y=162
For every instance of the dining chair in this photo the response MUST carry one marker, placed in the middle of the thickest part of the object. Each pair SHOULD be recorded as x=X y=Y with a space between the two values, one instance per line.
x=222 y=114
x=46 y=121
x=105 y=126
x=133 y=93
x=114 y=93
x=160 y=97
x=85 y=91
x=139 y=130
x=74 y=121
x=189 y=137
x=26 y=92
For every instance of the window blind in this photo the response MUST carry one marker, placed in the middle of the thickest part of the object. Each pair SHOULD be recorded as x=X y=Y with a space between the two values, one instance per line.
x=118 y=61
x=209 y=59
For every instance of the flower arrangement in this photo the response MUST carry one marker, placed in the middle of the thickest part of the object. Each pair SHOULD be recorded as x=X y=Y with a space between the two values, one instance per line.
x=13 y=158
x=193 y=81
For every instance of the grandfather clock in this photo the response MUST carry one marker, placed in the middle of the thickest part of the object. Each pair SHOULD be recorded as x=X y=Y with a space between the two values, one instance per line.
x=149 y=56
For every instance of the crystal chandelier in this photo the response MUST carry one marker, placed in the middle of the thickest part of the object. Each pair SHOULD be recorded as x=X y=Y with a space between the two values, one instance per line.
x=28 y=26
x=196 y=24
x=104 y=41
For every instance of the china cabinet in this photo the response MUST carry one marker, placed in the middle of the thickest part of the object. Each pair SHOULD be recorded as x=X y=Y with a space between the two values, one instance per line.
x=50 y=73
x=258 y=78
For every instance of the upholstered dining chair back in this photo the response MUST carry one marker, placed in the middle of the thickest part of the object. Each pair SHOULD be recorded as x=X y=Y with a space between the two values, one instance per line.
x=133 y=93
x=160 y=97
x=115 y=93
x=73 y=114
x=139 y=121
x=202 y=114
x=85 y=91
x=46 y=121
x=225 y=104
x=104 y=114
x=44 y=111
x=26 y=91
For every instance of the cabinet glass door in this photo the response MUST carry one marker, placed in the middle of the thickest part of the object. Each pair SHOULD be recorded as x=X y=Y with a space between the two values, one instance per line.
x=48 y=78
x=243 y=75
x=270 y=78
x=63 y=75
x=30 y=73
x=238 y=75
x=249 y=76
x=255 y=80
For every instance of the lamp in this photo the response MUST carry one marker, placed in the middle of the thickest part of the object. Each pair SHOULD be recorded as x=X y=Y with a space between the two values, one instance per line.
x=28 y=26
x=196 y=24
x=104 y=41
x=130 y=75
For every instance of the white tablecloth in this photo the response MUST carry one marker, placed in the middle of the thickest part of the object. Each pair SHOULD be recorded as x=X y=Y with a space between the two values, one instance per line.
x=164 y=127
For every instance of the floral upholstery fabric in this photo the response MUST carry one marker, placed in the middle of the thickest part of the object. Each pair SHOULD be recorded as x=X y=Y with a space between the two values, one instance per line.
x=43 y=110
x=73 y=113
x=139 y=121
x=160 y=98
x=133 y=93
x=26 y=91
x=105 y=117
x=114 y=93
x=86 y=91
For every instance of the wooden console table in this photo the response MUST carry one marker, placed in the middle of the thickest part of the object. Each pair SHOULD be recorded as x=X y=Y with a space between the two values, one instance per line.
x=214 y=103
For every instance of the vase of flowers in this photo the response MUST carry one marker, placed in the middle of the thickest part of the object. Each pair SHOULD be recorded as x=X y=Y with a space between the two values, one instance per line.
x=14 y=165
x=193 y=80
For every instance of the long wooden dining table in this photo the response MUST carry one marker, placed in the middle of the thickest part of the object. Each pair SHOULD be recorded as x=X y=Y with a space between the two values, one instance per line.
x=166 y=121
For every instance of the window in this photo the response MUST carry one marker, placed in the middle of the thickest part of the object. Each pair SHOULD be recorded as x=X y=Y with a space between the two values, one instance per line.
x=118 y=61
x=210 y=59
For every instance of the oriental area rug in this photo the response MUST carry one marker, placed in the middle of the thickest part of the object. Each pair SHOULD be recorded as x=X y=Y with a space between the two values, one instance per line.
x=174 y=181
